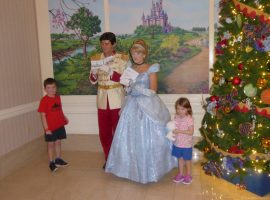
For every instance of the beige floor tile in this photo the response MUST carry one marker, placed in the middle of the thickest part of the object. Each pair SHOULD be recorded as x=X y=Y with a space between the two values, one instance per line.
x=136 y=192
x=150 y=197
x=85 y=179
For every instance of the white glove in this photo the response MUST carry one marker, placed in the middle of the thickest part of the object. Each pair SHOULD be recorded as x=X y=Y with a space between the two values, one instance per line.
x=126 y=81
x=137 y=90
x=94 y=71
x=171 y=136
x=128 y=76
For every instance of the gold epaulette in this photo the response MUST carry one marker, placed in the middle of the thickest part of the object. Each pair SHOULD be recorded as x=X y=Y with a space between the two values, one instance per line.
x=96 y=57
x=124 y=56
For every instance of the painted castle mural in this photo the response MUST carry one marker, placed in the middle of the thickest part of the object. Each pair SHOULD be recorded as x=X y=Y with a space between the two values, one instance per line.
x=157 y=17
x=176 y=32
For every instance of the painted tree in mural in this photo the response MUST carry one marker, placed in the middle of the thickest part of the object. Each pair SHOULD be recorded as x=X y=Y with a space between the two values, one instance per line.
x=61 y=15
x=73 y=15
x=85 y=25
x=73 y=25
x=236 y=126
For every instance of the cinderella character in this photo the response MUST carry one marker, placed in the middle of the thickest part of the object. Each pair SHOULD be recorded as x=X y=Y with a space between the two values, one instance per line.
x=140 y=150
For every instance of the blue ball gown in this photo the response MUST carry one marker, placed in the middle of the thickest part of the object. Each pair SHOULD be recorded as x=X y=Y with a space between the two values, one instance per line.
x=140 y=151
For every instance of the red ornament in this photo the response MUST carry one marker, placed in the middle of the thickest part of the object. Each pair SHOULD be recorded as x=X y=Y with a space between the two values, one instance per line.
x=219 y=52
x=261 y=18
x=213 y=98
x=236 y=150
x=259 y=42
x=252 y=15
x=236 y=80
x=245 y=11
x=240 y=66
x=265 y=96
x=223 y=43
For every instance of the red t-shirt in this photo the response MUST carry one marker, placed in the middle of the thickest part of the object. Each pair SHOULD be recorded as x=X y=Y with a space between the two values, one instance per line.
x=52 y=108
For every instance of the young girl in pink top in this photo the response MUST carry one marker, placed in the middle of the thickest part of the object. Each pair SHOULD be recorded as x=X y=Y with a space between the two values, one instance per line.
x=182 y=148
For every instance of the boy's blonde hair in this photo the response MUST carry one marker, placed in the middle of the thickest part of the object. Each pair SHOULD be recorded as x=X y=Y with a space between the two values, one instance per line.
x=184 y=102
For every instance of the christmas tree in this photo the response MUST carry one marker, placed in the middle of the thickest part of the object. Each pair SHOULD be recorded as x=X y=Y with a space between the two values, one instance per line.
x=236 y=126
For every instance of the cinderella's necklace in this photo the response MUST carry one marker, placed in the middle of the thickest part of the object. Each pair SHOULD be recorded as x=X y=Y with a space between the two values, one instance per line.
x=138 y=64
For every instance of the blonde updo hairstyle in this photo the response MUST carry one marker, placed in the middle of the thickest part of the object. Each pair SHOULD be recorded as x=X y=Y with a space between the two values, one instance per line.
x=139 y=46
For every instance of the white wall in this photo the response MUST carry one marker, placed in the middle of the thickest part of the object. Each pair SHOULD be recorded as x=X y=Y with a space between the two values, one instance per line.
x=19 y=75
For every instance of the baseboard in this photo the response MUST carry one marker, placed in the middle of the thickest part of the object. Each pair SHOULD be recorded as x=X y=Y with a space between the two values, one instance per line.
x=18 y=158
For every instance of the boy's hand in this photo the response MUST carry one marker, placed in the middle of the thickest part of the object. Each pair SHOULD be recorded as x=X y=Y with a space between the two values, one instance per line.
x=48 y=132
x=66 y=119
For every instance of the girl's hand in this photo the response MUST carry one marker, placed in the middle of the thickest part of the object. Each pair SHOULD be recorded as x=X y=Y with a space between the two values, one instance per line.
x=175 y=131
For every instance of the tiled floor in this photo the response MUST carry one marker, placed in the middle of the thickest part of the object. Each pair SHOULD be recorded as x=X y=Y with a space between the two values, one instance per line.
x=85 y=180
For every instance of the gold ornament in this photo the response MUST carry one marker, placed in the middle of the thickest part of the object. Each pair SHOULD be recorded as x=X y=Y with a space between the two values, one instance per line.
x=249 y=49
x=239 y=20
x=216 y=79
x=266 y=142
x=261 y=82
x=264 y=74
x=206 y=149
x=227 y=109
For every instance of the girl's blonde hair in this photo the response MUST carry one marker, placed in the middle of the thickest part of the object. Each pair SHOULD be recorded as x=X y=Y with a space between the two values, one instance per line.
x=184 y=102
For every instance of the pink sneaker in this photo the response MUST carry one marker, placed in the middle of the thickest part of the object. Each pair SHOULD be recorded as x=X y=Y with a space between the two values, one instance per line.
x=187 y=180
x=178 y=178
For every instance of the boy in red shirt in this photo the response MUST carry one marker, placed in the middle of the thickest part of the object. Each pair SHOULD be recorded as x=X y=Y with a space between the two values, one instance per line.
x=53 y=120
